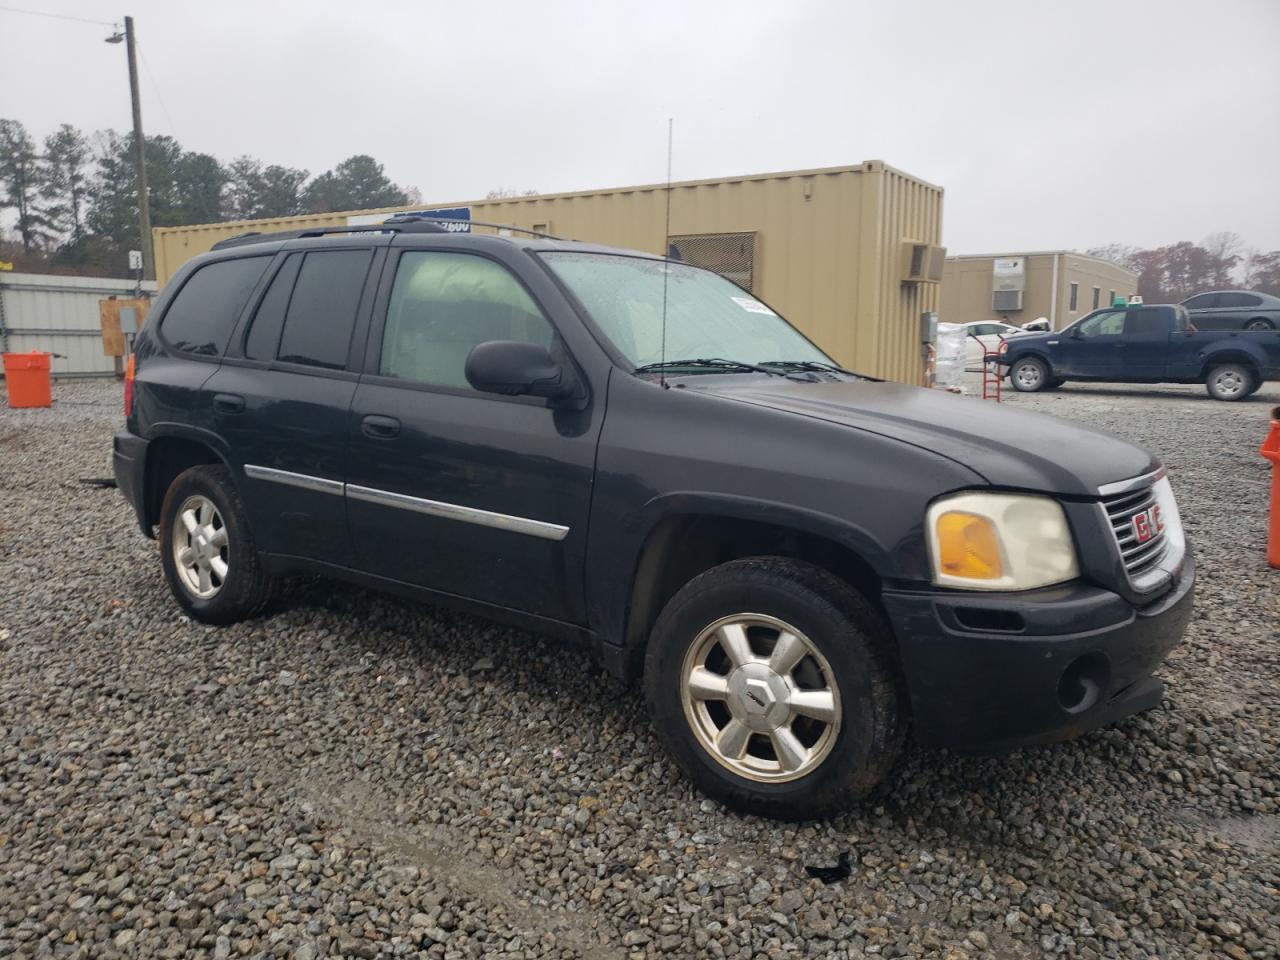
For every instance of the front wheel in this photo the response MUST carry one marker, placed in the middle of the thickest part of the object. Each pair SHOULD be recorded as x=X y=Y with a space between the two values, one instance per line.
x=1029 y=374
x=207 y=548
x=1230 y=381
x=770 y=683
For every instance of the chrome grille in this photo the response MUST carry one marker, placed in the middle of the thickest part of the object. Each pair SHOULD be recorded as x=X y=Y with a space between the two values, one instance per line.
x=1120 y=510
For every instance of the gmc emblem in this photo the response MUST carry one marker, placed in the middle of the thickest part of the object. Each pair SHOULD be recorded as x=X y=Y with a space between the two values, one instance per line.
x=1147 y=524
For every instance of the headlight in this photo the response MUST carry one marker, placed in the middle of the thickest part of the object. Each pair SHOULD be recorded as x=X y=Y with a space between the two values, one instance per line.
x=999 y=541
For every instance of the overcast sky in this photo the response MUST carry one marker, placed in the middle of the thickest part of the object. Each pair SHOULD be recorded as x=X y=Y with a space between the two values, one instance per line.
x=1050 y=125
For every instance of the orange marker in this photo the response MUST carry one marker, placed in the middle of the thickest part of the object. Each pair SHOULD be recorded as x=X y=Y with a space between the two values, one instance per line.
x=1271 y=450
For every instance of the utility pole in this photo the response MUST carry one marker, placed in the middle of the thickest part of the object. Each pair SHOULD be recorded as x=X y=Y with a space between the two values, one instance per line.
x=140 y=156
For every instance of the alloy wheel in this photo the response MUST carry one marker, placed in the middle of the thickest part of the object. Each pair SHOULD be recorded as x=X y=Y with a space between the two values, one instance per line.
x=200 y=547
x=760 y=698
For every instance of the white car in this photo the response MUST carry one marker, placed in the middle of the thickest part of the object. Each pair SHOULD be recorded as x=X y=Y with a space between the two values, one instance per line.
x=984 y=336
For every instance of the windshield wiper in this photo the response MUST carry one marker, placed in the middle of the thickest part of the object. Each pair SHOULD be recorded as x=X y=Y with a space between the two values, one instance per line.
x=814 y=365
x=714 y=362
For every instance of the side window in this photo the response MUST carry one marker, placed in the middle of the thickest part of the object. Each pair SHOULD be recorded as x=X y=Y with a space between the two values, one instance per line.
x=1237 y=300
x=1097 y=297
x=1202 y=301
x=322 y=310
x=1109 y=323
x=264 y=333
x=1075 y=295
x=1144 y=323
x=201 y=317
x=444 y=304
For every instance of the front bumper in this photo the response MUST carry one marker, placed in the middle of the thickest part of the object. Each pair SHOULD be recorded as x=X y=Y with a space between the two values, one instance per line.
x=129 y=461
x=989 y=672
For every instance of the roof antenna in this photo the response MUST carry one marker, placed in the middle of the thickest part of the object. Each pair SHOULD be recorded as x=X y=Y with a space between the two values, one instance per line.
x=666 y=264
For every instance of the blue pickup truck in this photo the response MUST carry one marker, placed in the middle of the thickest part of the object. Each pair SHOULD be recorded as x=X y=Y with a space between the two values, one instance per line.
x=1145 y=343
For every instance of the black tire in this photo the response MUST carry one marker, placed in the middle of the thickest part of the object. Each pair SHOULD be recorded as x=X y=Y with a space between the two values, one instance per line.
x=1230 y=381
x=848 y=633
x=246 y=588
x=1259 y=323
x=1029 y=375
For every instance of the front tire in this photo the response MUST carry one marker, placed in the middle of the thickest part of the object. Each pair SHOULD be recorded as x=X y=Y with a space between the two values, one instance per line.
x=207 y=549
x=771 y=685
x=1230 y=382
x=1029 y=375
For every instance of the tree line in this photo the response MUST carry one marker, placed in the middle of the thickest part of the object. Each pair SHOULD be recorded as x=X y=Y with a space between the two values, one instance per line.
x=76 y=206
x=1173 y=273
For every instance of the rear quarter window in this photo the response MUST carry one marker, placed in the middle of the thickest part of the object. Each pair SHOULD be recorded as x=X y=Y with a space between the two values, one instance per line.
x=202 y=315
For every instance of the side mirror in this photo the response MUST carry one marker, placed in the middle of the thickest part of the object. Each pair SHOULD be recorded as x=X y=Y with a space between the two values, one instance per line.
x=514 y=368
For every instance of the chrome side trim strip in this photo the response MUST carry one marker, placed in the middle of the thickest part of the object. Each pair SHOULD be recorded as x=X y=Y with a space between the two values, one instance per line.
x=1135 y=483
x=451 y=511
x=318 y=484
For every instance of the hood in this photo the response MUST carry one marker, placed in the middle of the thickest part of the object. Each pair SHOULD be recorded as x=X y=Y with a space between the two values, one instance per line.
x=1007 y=447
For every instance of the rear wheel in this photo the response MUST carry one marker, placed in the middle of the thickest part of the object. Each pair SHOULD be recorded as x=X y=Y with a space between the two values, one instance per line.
x=1259 y=323
x=207 y=548
x=1029 y=374
x=770 y=684
x=1230 y=381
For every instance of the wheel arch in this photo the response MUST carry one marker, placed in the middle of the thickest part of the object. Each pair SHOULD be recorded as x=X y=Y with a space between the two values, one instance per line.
x=686 y=540
x=169 y=453
x=1230 y=356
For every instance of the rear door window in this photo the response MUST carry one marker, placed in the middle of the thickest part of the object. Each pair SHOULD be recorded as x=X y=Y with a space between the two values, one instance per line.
x=322 y=308
x=1148 y=323
x=1237 y=300
x=264 y=334
x=205 y=311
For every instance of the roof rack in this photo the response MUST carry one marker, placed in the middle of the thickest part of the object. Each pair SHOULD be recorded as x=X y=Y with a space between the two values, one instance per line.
x=418 y=218
x=408 y=223
x=256 y=236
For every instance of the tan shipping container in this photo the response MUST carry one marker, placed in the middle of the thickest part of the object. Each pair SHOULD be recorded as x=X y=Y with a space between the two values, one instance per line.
x=828 y=248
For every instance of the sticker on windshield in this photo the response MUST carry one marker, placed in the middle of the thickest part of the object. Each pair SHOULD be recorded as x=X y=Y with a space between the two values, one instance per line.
x=752 y=305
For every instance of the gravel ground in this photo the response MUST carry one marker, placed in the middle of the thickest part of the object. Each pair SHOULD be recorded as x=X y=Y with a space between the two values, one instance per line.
x=355 y=775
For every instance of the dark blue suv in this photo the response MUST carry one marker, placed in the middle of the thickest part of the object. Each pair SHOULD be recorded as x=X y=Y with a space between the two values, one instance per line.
x=612 y=447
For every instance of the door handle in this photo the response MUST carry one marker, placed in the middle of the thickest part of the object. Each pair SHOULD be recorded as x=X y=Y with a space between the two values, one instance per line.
x=380 y=428
x=228 y=403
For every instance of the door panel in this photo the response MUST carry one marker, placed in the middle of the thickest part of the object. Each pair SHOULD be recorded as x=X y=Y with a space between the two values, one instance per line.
x=475 y=496
x=472 y=494
x=1093 y=347
x=282 y=397
x=291 y=439
x=1146 y=344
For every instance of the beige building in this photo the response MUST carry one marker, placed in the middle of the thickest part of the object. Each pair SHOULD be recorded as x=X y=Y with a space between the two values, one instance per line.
x=850 y=255
x=1019 y=287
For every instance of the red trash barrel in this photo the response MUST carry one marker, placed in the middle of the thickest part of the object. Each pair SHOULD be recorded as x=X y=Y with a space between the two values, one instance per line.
x=27 y=377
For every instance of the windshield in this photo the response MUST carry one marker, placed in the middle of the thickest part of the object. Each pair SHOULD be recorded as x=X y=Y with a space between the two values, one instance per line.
x=707 y=315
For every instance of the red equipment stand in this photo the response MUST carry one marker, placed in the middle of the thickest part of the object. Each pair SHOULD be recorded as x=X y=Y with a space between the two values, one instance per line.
x=992 y=374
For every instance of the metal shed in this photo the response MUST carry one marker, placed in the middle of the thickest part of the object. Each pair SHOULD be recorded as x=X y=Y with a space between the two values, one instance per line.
x=850 y=255
x=60 y=315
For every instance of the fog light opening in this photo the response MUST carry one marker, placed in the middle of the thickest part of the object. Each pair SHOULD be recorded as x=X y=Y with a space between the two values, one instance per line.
x=1083 y=683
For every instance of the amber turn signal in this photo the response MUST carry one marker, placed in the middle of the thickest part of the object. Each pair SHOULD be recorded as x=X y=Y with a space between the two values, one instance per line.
x=968 y=546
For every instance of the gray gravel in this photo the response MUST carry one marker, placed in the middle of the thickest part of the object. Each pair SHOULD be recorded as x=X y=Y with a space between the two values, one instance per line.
x=355 y=775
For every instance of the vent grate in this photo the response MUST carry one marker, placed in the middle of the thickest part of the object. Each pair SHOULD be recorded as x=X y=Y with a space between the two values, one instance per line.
x=732 y=255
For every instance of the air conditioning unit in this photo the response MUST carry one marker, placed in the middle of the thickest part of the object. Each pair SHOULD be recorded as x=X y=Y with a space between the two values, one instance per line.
x=922 y=262
x=1004 y=301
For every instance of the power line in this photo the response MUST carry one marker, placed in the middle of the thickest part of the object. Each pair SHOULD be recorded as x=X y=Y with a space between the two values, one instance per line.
x=156 y=88
x=56 y=16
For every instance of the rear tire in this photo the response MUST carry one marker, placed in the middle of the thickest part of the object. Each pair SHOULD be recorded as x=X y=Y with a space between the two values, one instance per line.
x=1029 y=375
x=207 y=549
x=1230 y=382
x=771 y=684
x=1259 y=323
